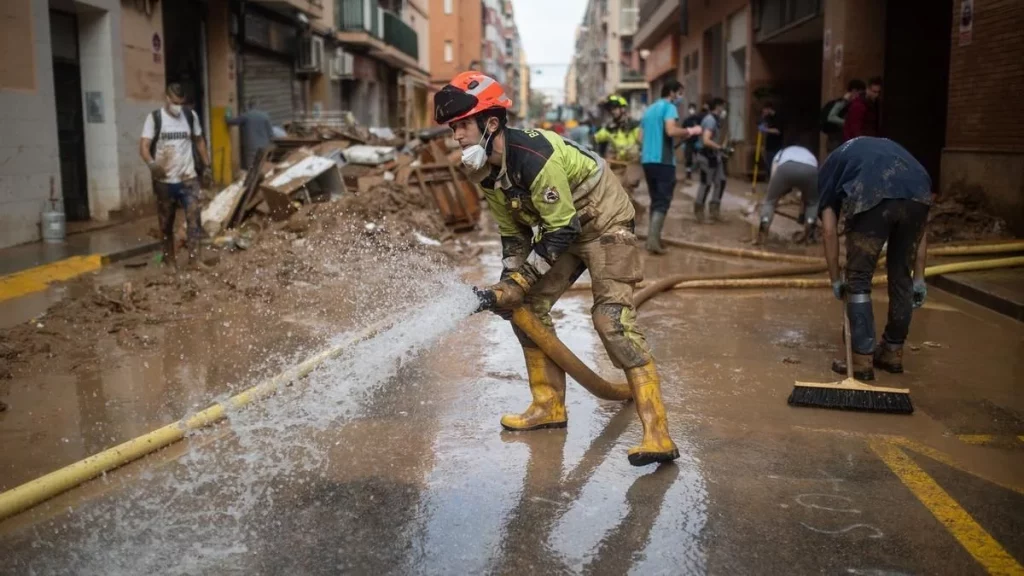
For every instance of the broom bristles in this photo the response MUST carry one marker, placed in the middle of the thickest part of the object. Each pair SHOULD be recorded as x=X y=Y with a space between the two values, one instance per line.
x=851 y=399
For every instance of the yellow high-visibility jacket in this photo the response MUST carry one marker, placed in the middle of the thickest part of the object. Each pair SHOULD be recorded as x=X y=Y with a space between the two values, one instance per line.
x=623 y=137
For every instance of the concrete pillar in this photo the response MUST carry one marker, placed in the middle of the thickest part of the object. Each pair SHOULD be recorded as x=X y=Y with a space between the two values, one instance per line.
x=855 y=32
x=96 y=52
x=857 y=43
x=140 y=82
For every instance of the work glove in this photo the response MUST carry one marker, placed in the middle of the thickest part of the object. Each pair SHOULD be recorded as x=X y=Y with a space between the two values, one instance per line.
x=920 y=292
x=156 y=170
x=503 y=296
x=839 y=289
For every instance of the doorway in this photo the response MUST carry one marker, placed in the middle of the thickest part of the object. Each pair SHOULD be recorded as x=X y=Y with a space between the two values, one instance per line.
x=67 y=84
x=185 y=53
x=915 y=95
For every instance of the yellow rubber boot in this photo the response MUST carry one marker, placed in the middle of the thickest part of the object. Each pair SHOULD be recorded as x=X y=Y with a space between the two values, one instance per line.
x=547 y=384
x=657 y=445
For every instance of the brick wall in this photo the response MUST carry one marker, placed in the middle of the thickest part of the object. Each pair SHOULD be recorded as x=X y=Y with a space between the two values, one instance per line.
x=987 y=78
x=464 y=28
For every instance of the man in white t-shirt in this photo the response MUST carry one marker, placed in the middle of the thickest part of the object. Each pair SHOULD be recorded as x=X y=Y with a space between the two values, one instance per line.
x=171 y=145
x=792 y=167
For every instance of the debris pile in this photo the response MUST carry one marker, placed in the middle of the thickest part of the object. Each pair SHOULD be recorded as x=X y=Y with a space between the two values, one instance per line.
x=307 y=223
x=413 y=188
x=963 y=215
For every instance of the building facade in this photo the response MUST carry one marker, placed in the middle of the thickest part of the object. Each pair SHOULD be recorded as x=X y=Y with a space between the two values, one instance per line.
x=477 y=35
x=605 y=61
x=79 y=77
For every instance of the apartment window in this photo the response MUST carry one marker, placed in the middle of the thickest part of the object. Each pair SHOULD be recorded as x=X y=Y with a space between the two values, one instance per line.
x=448 y=51
x=448 y=6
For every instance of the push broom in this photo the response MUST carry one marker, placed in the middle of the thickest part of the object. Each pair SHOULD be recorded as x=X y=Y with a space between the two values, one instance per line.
x=851 y=394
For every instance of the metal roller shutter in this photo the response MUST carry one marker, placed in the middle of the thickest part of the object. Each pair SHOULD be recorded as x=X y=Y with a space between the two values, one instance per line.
x=269 y=80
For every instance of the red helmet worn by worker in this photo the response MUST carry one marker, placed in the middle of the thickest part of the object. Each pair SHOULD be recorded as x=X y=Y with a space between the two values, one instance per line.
x=469 y=94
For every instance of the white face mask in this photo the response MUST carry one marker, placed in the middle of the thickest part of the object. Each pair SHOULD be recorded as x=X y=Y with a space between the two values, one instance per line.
x=724 y=114
x=474 y=157
x=174 y=109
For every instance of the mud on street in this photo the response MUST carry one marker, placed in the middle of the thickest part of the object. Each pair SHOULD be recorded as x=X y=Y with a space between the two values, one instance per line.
x=390 y=459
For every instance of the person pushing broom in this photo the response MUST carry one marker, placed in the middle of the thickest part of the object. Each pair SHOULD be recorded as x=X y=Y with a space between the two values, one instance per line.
x=884 y=195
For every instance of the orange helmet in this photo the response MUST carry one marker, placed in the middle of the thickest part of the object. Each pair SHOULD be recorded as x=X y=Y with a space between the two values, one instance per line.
x=468 y=94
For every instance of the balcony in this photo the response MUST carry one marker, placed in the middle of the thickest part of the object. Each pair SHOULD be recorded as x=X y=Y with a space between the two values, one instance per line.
x=400 y=35
x=312 y=8
x=382 y=32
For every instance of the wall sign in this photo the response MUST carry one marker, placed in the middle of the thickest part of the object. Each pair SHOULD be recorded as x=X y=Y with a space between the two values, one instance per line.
x=94 y=107
x=966 y=22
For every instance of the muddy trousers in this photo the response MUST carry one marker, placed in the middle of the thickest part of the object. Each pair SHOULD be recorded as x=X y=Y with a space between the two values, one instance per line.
x=787 y=176
x=712 y=179
x=613 y=260
x=901 y=224
x=168 y=198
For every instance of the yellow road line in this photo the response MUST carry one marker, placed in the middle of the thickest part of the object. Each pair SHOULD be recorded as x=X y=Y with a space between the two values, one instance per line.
x=944 y=458
x=977 y=439
x=978 y=543
x=36 y=279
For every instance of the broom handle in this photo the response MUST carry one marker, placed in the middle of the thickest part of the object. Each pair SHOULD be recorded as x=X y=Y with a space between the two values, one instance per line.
x=846 y=339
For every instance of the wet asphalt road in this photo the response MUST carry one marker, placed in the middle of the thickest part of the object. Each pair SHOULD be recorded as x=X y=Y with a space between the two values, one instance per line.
x=415 y=476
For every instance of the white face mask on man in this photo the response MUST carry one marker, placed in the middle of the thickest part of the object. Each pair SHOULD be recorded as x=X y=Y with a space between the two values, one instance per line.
x=174 y=109
x=474 y=157
x=723 y=114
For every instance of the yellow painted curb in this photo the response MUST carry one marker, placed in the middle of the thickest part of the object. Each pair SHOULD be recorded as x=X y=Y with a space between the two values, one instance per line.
x=36 y=279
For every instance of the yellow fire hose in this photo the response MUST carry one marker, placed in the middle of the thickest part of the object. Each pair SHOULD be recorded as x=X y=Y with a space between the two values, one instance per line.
x=25 y=496
x=29 y=494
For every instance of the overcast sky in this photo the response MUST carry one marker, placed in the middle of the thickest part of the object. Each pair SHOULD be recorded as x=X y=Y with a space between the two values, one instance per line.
x=547 y=29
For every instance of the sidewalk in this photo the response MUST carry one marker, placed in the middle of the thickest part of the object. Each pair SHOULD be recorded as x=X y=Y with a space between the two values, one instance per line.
x=30 y=267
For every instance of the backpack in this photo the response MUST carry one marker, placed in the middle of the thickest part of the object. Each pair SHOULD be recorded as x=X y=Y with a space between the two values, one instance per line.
x=158 y=120
x=826 y=126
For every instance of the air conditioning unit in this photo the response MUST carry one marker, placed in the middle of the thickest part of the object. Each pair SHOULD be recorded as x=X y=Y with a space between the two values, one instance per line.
x=342 y=64
x=311 y=54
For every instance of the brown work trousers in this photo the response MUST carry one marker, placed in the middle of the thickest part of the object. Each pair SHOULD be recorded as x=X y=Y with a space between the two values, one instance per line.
x=614 y=261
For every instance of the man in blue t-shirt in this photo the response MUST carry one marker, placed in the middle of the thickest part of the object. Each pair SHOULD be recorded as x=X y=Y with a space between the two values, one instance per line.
x=884 y=195
x=659 y=126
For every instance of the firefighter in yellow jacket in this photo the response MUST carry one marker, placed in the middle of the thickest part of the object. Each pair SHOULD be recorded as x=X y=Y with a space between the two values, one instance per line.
x=536 y=180
x=620 y=138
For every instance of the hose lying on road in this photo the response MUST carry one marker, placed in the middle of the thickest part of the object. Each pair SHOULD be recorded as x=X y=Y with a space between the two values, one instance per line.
x=547 y=341
x=950 y=250
x=29 y=494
